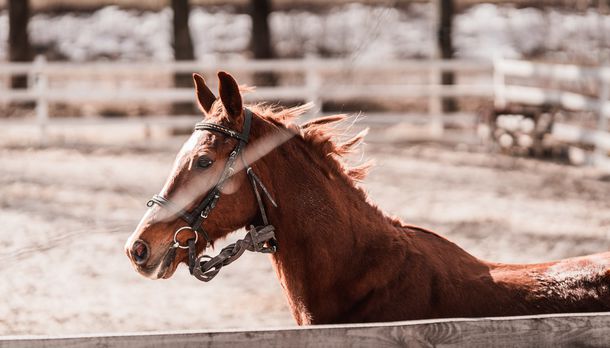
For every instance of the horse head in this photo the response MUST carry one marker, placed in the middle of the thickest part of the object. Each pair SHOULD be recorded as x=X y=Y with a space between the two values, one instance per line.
x=188 y=209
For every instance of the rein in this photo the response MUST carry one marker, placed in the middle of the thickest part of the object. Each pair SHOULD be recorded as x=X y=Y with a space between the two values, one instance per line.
x=257 y=239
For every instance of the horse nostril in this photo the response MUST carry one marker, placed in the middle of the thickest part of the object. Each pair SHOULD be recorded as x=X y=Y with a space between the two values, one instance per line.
x=139 y=251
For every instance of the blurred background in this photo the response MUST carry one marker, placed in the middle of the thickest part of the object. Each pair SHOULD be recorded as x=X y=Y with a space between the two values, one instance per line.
x=488 y=125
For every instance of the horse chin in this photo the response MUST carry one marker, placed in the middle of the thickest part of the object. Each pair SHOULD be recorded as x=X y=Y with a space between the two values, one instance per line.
x=165 y=270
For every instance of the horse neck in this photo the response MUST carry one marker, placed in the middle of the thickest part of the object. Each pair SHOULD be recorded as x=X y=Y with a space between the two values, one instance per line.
x=333 y=244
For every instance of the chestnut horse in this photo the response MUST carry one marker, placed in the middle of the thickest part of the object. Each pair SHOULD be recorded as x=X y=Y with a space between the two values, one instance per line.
x=340 y=259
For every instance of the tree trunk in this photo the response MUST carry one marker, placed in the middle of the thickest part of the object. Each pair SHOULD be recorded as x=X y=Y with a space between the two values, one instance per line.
x=260 y=41
x=18 y=39
x=183 y=50
x=446 y=10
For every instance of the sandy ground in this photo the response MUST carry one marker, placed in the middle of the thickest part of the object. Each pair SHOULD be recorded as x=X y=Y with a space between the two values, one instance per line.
x=65 y=215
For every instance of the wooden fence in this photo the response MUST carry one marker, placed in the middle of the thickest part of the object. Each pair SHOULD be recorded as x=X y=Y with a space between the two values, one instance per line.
x=556 y=330
x=316 y=88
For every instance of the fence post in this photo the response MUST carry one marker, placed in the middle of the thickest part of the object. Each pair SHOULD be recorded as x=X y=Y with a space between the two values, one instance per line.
x=435 y=106
x=313 y=83
x=601 y=153
x=499 y=84
x=42 y=104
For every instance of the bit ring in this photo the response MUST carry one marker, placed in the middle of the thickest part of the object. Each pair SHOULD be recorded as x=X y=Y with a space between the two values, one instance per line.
x=176 y=243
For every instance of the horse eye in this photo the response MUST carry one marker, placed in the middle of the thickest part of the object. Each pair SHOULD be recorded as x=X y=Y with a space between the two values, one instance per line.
x=204 y=162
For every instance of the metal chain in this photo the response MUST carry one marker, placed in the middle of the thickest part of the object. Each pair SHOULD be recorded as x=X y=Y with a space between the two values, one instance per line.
x=258 y=239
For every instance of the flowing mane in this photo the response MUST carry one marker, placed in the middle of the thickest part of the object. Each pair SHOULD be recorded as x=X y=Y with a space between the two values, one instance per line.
x=328 y=135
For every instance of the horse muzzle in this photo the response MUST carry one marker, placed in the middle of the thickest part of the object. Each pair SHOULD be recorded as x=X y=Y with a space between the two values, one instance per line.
x=148 y=264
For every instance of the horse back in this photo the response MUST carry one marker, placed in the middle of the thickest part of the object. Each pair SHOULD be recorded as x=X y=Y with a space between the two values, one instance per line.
x=580 y=284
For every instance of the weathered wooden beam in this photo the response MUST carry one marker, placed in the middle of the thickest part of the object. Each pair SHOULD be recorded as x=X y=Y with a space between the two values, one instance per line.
x=558 y=330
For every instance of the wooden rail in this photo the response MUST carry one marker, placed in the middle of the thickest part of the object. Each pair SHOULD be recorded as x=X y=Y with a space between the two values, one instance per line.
x=556 y=330
x=248 y=66
x=316 y=87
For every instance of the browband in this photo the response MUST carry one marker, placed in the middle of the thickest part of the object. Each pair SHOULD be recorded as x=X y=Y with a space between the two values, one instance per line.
x=222 y=129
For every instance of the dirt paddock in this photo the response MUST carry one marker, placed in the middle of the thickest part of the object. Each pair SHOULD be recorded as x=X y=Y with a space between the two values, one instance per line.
x=65 y=214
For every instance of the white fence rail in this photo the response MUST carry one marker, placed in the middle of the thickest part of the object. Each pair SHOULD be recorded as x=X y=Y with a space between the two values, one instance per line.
x=313 y=69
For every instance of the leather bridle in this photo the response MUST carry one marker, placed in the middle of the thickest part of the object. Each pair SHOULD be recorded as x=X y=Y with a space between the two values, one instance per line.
x=260 y=239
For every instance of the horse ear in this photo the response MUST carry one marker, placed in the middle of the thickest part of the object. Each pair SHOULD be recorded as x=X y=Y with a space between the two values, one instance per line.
x=205 y=97
x=229 y=94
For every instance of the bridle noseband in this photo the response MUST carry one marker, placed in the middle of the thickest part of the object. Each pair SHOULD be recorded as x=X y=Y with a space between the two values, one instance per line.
x=259 y=239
